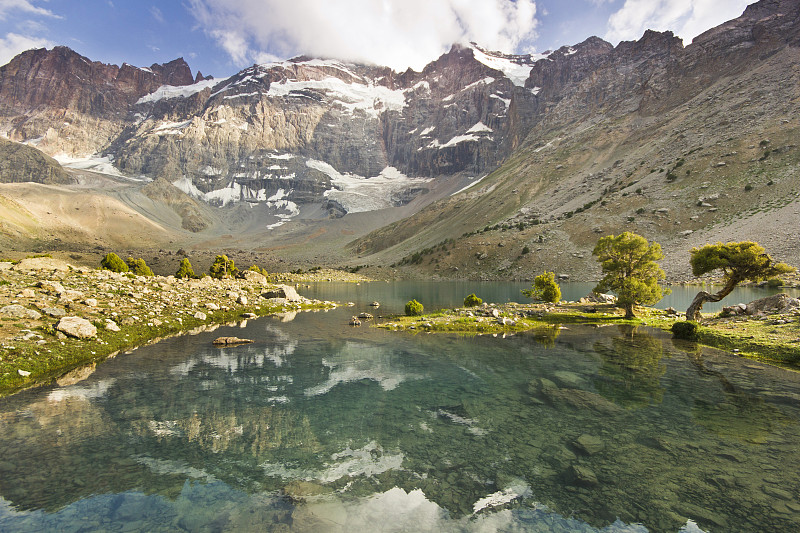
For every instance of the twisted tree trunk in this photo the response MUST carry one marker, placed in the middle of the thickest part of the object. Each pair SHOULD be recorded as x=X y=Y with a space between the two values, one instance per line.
x=693 y=312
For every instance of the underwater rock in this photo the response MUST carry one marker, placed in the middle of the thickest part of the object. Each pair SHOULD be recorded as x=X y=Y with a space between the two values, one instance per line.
x=230 y=341
x=589 y=444
x=581 y=476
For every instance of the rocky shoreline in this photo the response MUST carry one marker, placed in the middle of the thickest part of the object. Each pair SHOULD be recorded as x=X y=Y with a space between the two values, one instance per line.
x=55 y=317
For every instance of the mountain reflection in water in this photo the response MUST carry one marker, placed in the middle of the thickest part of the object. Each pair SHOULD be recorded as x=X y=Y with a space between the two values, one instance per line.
x=321 y=427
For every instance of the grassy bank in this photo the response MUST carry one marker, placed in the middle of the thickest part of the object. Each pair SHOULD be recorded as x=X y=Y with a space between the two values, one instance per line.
x=127 y=311
x=773 y=339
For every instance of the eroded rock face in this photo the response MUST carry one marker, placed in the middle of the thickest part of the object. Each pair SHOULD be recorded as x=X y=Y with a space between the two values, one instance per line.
x=76 y=327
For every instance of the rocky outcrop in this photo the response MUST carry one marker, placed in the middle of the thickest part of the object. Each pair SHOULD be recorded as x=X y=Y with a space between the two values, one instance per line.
x=20 y=163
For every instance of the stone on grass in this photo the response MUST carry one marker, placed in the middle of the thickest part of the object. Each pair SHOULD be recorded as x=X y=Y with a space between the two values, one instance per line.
x=777 y=304
x=27 y=293
x=242 y=300
x=23 y=373
x=77 y=327
x=18 y=311
x=111 y=325
x=200 y=315
x=211 y=306
x=91 y=302
x=52 y=287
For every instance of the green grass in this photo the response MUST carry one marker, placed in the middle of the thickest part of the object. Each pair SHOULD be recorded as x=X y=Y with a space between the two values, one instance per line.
x=57 y=357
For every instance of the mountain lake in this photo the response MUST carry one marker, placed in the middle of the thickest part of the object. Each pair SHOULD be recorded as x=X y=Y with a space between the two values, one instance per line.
x=318 y=426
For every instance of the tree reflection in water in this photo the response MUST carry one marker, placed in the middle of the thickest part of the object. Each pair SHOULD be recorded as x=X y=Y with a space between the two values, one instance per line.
x=632 y=369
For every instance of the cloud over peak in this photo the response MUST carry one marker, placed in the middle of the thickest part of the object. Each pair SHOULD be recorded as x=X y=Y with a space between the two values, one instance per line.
x=395 y=33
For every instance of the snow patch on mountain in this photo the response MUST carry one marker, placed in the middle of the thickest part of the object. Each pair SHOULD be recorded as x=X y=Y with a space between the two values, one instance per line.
x=370 y=98
x=166 y=92
x=480 y=127
x=95 y=163
x=359 y=194
x=517 y=69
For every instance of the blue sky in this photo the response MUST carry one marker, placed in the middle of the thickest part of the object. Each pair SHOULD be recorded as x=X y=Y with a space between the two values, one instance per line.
x=220 y=37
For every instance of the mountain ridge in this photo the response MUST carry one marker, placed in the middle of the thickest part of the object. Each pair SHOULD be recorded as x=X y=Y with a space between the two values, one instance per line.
x=550 y=139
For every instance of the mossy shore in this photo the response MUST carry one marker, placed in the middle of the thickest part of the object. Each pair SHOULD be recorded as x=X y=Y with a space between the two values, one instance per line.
x=127 y=311
x=772 y=338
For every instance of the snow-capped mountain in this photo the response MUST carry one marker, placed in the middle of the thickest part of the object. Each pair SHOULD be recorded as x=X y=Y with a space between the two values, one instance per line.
x=306 y=131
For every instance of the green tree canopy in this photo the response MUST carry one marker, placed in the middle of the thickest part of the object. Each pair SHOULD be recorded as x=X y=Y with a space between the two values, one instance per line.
x=139 y=267
x=222 y=267
x=185 y=271
x=414 y=308
x=544 y=288
x=630 y=268
x=472 y=300
x=114 y=263
x=738 y=262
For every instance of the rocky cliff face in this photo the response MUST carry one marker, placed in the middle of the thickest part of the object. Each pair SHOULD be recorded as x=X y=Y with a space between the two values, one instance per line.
x=72 y=105
x=310 y=136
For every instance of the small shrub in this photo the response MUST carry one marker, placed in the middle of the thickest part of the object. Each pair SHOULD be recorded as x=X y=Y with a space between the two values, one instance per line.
x=114 y=263
x=774 y=283
x=414 y=308
x=138 y=267
x=640 y=211
x=526 y=250
x=263 y=271
x=472 y=300
x=544 y=288
x=748 y=187
x=686 y=330
x=185 y=271
x=222 y=267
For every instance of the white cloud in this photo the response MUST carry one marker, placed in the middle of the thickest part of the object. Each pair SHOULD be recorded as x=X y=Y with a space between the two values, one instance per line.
x=397 y=33
x=25 y=6
x=13 y=44
x=157 y=14
x=686 y=18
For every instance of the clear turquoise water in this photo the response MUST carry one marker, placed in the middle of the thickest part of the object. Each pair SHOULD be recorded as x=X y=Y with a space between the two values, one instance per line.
x=321 y=427
x=448 y=294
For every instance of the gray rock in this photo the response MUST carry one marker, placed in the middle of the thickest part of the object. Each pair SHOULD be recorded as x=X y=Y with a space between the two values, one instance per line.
x=55 y=312
x=51 y=287
x=200 y=315
x=91 y=302
x=255 y=277
x=18 y=311
x=111 y=325
x=77 y=327
x=282 y=291
x=598 y=298
x=27 y=293
x=70 y=295
x=778 y=304
x=242 y=300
